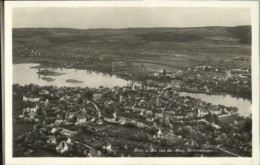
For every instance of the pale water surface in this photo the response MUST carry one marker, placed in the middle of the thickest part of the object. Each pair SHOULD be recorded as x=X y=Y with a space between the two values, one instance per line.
x=243 y=105
x=24 y=74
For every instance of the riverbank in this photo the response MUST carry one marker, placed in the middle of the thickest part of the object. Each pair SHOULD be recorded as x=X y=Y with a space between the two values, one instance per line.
x=237 y=96
x=128 y=72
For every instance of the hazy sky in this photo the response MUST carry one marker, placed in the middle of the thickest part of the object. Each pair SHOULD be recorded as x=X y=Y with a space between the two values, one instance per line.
x=85 y=18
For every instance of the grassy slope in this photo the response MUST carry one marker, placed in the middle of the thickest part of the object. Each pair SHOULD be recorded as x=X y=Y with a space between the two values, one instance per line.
x=177 y=46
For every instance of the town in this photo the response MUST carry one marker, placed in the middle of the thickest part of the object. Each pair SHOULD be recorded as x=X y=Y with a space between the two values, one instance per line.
x=122 y=122
x=155 y=92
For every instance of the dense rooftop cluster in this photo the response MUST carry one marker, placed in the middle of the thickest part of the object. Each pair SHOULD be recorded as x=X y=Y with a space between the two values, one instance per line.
x=207 y=79
x=73 y=121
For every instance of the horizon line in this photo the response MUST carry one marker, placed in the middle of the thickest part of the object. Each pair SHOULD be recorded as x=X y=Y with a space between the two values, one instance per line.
x=124 y=27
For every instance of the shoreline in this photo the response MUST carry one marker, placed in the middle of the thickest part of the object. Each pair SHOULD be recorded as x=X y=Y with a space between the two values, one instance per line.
x=53 y=64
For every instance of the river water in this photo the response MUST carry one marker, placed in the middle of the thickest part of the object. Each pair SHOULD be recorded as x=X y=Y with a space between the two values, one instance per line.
x=24 y=74
x=243 y=105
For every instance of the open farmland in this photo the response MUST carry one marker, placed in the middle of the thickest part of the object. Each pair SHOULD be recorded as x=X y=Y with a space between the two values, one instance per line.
x=173 y=48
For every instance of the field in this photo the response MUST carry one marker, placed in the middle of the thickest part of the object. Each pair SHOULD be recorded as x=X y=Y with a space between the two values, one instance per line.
x=154 y=48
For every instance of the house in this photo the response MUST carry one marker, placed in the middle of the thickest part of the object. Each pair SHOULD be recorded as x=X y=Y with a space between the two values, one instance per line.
x=156 y=74
x=59 y=122
x=239 y=70
x=229 y=74
x=52 y=140
x=44 y=92
x=34 y=99
x=158 y=115
x=97 y=96
x=62 y=147
x=81 y=120
x=31 y=99
x=107 y=147
x=170 y=114
x=215 y=126
x=94 y=153
x=236 y=122
x=179 y=117
x=141 y=102
x=68 y=133
x=150 y=119
x=127 y=89
x=206 y=88
x=142 y=112
x=215 y=110
x=121 y=99
x=159 y=133
x=149 y=113
x=118 y=63
x=244 y=81
x=46 y=102
x=190 y=115
x=202 y=112
x=194 y=89
x=30 y=112
x=171 y=75
x=114 y=115
x=176 y=85
x=108 y=104
x=71 y=115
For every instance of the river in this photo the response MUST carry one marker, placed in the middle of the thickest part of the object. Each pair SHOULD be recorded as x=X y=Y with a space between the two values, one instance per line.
x=27 y=74
x=243 y=105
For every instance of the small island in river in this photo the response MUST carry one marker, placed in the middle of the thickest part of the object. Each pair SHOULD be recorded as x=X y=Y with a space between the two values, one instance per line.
x=49 y=73
x=73 y=81
x=49 y=79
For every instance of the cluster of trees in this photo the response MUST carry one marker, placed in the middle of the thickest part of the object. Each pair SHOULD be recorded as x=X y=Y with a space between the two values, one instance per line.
x=212 y=118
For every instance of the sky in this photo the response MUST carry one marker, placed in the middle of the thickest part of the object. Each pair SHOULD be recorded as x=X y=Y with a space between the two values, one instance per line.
x=127 y=17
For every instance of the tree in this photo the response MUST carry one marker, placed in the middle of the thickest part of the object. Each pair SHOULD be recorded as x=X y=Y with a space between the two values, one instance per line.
x=248 y=125
x=88 y=95
x=216 y=119
x=209 y=117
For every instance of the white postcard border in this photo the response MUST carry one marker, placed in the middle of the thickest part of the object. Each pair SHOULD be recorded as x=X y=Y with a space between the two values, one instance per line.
x=9 y=5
